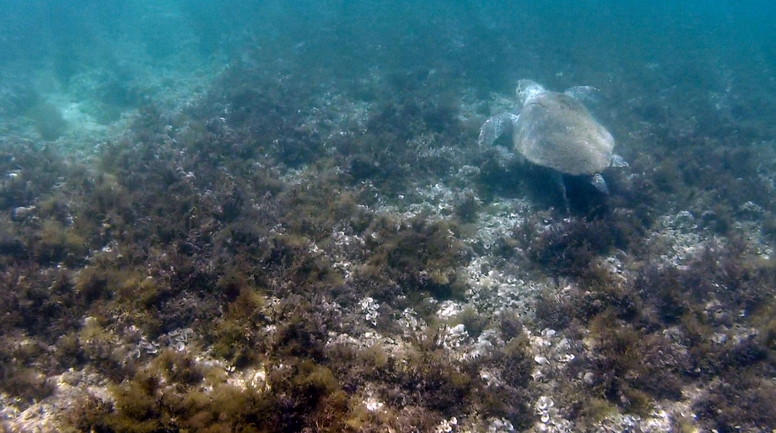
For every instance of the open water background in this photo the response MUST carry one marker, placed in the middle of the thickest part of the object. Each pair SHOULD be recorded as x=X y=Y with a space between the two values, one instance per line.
x=720 y=47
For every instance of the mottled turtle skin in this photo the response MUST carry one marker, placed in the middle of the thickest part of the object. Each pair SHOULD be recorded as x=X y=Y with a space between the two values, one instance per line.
x=555 y=130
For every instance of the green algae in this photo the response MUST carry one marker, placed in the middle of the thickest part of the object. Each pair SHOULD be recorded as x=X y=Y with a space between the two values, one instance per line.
x=195 y=222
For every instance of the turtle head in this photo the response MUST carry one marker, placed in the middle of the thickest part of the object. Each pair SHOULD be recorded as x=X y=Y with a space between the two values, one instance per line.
x=527 y=89
x=598 y=180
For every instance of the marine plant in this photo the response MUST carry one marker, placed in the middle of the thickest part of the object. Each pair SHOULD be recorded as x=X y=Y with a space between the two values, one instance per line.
x=249 y=222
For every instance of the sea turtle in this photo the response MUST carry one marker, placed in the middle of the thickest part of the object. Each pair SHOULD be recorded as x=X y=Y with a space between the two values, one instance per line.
x=555 y=130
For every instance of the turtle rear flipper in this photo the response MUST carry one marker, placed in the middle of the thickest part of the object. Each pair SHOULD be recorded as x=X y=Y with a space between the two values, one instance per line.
x=494 y=127
x=618 y=161
x=599 y=183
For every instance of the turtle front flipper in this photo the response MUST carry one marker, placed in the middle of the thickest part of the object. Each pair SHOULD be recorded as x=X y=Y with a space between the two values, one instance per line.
x=494 y=127
x=599 y=183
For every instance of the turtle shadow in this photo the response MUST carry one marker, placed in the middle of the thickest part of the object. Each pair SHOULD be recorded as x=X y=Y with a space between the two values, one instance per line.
x=584 y=199
x=539 y=185
x=541 y=188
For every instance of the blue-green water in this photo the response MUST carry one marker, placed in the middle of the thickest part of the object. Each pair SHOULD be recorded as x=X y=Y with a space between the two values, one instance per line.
x=628 y=49
x=489 y=42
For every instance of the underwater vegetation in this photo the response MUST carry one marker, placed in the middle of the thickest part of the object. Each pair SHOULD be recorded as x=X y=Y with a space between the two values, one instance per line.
x=663 y=328
x=254 y=262
x=180 y=226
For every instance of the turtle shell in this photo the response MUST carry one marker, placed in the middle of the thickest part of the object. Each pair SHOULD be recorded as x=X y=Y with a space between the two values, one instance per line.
x=555 y=130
